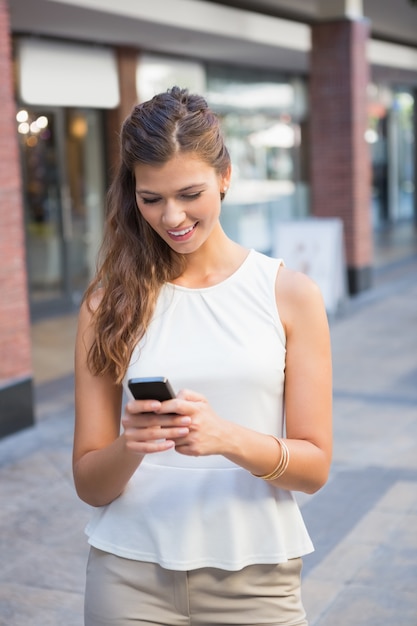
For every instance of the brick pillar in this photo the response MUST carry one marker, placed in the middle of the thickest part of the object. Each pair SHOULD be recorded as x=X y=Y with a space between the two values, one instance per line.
x=340 y=157
x=127 y=60
x=16 y=397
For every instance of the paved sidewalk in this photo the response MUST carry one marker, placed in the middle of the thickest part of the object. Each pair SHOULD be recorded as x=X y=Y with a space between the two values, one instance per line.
x=363 y=522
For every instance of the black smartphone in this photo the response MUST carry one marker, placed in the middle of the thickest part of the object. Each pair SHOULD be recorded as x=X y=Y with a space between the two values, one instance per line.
x=158 y=388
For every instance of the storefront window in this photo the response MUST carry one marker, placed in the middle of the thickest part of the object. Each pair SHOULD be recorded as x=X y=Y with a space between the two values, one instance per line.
x=390 y=135
x=41 y=191
x=63 y=189
x=262 y=117
x=155 y=74
x=403 y=105
x=376 y=136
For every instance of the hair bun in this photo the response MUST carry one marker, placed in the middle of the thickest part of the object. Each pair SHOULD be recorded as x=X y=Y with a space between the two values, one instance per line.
x=192 y=102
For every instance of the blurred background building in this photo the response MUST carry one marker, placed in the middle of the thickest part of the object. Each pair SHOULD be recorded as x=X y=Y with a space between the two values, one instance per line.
x=317 y=100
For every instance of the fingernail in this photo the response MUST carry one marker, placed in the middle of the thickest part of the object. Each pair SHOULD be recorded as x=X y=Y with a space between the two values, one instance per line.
x=183 y=431
x=185 y=420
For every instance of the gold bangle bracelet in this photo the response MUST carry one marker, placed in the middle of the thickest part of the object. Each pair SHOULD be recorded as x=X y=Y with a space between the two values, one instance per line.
x=285 y=461
x=282 y=463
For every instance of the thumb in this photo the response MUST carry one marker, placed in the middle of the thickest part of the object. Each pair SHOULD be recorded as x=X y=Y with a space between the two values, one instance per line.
x=192 y=396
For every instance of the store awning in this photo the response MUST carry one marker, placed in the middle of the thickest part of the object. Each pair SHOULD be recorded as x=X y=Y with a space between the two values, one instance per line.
x=67 y=74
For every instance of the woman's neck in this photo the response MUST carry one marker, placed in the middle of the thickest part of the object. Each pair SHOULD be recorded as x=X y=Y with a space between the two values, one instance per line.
x=212 y=263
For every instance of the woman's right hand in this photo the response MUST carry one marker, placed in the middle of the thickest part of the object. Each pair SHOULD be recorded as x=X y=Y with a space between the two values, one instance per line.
x=146 y=431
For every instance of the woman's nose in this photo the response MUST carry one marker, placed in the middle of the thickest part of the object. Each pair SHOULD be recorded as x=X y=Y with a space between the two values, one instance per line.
x=173 y=214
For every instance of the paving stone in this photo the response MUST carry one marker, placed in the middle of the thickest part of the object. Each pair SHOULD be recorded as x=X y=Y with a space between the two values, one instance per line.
x=364 y=606
x=317 y=595
x=33 y=606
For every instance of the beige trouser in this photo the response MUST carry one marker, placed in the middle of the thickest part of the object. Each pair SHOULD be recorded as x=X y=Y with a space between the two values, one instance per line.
x=123 y=592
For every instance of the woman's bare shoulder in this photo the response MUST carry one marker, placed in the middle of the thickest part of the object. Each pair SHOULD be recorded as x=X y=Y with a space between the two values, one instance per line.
x=297 y=295
x=92 y=301
x=87 y=310
x=295 y=284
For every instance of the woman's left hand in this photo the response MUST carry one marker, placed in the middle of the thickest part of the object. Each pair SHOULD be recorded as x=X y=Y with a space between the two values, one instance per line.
x=207 y=431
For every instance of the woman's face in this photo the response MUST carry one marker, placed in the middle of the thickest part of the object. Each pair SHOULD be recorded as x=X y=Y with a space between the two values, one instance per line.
x=180 y=200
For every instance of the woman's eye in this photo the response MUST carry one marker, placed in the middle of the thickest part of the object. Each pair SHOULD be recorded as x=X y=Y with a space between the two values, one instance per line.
x=192 y=196
x=149 y=200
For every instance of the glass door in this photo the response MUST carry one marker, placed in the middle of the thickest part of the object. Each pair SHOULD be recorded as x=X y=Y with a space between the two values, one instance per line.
x=403 y=168
x=63 y=191
x=83 y=194
x=391 y=135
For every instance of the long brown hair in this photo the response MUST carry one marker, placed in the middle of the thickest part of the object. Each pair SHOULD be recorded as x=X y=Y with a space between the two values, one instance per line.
x=134 y=261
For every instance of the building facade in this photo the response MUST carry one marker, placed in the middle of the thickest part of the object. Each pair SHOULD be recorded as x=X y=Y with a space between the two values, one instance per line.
x=319 y=115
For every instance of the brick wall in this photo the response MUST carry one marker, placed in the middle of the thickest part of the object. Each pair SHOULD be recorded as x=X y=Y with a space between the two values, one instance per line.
x=340 y=157
x=15 y=341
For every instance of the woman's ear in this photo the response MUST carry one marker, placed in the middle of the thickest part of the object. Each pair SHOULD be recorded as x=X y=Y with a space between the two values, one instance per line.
x=228 y=176
x=225 y=181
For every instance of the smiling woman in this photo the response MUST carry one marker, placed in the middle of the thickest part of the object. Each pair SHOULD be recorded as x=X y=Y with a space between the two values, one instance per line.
x=184 y=204
x=245 y=343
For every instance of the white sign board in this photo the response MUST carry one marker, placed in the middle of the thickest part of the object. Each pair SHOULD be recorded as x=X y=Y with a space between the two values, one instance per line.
x=58 y=73
x=315 y=247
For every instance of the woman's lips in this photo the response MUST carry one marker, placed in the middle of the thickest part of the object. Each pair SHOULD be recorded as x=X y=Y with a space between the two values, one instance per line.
x=182 y=234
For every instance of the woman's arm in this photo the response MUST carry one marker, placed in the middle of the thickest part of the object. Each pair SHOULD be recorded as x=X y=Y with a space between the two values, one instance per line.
x=102 y=464
x=308 y=381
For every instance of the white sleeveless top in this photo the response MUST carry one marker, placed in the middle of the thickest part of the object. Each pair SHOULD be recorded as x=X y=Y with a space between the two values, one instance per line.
x=226 y=342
